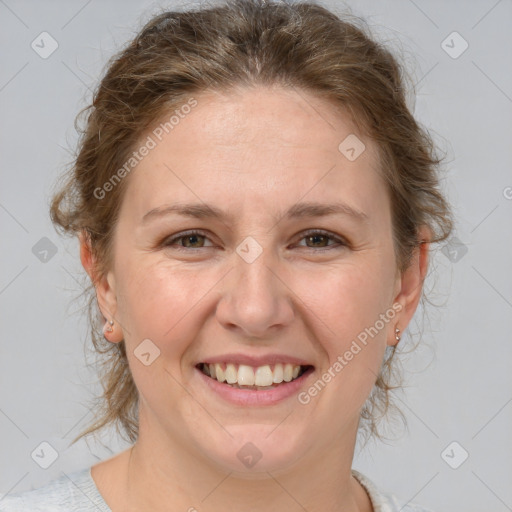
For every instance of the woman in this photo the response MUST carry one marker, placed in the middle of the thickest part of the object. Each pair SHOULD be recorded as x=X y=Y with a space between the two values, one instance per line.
x=255 y=205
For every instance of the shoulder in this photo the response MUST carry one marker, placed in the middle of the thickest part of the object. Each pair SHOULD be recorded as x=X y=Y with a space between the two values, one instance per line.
x=385 y=501
x=75 y=491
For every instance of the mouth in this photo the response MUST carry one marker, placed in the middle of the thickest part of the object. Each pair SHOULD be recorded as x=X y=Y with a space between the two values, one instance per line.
x=261 y=378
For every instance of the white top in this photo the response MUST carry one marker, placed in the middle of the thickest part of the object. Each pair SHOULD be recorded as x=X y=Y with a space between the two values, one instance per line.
x=77 y=492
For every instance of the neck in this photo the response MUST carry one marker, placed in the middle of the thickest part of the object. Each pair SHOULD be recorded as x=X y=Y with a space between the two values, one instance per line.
x=162 y=473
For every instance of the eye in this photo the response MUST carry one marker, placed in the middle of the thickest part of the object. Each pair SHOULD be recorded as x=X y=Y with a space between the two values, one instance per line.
x=320 y=238
x=195 y=240
x=191 y=240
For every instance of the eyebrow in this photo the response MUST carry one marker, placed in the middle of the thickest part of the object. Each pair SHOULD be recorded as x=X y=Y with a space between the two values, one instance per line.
x=297 y=211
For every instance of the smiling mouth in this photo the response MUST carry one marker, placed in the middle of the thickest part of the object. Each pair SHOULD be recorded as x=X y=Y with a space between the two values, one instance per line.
x=264 y=377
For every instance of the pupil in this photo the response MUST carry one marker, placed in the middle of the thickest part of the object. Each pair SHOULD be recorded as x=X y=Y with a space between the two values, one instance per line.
x=316 y=237
x=191 y=237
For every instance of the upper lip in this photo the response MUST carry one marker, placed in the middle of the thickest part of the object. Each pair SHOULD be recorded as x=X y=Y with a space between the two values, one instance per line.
x=255 y=361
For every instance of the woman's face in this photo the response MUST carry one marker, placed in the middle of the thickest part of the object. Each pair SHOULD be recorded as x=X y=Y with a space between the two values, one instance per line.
x=272 y=278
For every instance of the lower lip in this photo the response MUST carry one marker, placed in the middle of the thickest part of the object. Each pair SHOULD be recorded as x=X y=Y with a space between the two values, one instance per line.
x=252 y=396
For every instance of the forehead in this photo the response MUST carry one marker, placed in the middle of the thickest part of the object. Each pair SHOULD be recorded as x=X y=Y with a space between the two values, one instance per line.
x=262 y=147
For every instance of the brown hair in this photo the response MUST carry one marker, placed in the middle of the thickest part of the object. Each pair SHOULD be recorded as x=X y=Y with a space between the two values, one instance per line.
x=244 y=43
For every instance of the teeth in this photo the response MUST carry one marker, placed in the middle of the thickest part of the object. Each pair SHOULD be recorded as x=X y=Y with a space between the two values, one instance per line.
x=262 y=377
x=220 y=375
x=245 y=375
x=288 y=372
x=278 y=374
x=231 y=374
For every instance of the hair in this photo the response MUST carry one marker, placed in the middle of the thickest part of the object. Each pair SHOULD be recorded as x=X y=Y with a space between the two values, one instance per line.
x=243 y=43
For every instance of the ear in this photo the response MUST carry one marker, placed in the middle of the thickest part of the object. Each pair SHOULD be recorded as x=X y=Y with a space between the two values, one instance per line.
x=104 y=285
x=409 y=285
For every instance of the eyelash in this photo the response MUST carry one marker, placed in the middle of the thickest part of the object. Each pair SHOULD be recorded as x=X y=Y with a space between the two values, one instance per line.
x=170 y=241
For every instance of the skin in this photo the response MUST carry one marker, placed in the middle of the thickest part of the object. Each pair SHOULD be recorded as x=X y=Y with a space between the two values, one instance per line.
x=255 y=153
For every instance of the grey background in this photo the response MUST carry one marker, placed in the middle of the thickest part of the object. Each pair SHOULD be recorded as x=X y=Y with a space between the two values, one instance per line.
x=459 y=380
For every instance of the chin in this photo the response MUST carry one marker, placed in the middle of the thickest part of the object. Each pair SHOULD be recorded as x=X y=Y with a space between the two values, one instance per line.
x=255 y=450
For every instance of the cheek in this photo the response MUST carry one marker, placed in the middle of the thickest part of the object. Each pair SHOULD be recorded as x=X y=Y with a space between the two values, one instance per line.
x=159 y=301
x=352 y=315
x=350 y=300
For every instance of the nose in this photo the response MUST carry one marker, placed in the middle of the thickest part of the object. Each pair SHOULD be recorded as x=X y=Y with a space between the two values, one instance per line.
x=255 y=301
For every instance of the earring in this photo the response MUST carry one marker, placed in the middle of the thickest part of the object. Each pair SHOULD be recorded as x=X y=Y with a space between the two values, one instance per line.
x=110 y=328
x=397 y=335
